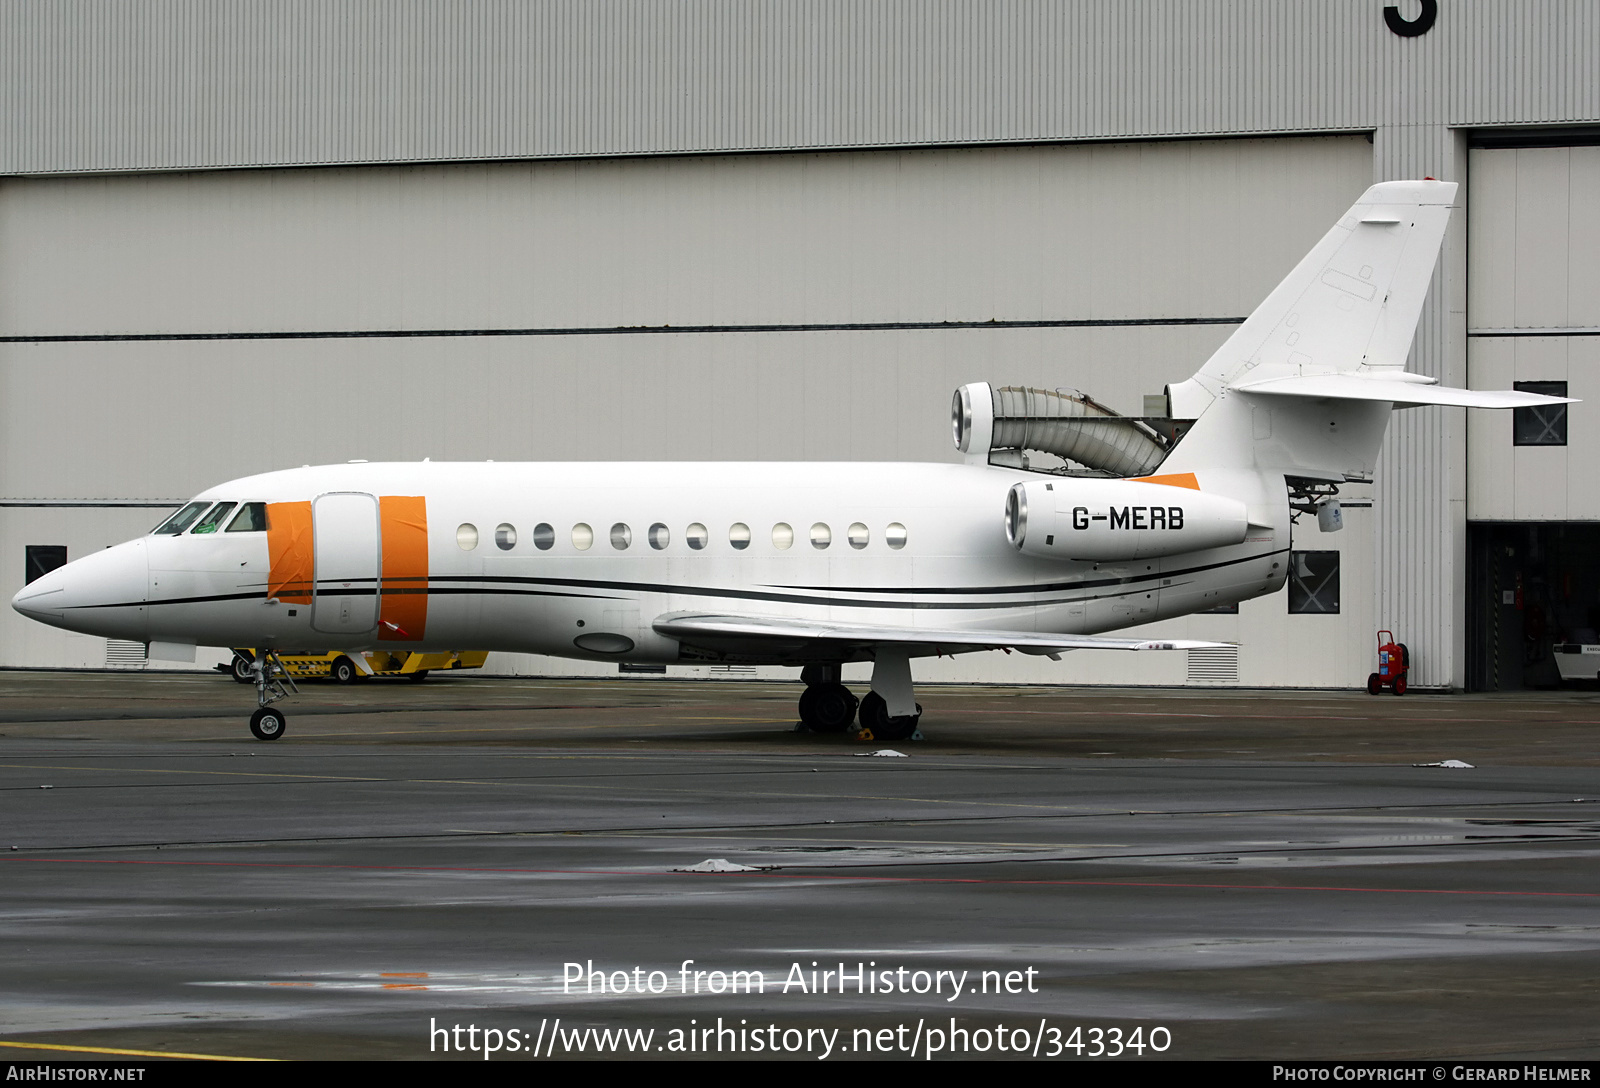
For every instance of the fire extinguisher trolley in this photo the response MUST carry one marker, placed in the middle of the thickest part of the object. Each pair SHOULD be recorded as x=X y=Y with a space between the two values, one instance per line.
x=1394 y=661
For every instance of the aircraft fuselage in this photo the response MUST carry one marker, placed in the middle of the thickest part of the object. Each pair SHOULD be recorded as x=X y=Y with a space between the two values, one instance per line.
x=578 y=559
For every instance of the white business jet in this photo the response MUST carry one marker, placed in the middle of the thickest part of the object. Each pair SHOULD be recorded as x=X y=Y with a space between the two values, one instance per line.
x=816 y=565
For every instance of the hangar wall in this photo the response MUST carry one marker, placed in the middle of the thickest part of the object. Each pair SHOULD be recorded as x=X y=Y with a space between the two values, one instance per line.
x=184 y=84
x=1146 y=237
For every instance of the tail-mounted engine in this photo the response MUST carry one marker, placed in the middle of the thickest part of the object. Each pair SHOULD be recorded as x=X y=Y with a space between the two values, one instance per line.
x=1109 y=520
x=1012 y=419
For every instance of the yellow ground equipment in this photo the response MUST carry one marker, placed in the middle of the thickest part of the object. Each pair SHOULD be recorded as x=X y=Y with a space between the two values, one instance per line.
x=351 y=668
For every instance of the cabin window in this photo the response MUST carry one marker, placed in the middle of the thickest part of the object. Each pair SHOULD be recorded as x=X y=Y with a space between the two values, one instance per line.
x=697 y=536
x=1543 y=424
x=895 y=535
x=209 y=523
x=41 y=559
x=660 y=536
x=739 y=536
x=466 y=536
x=251 y=518
x=782 y=536
x=1314 y=583
x=821 y=535
x=582 y=537
x=505 y=536
x=180 y=521
x=858 y=535
x=544 y=536
x=621 y=537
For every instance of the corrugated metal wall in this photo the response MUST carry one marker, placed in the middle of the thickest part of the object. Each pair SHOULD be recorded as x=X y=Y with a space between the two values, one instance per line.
x=173 y=84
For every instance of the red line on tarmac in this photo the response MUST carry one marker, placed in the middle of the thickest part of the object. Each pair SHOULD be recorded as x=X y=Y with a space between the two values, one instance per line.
x=813 y=876
x=1211 y=715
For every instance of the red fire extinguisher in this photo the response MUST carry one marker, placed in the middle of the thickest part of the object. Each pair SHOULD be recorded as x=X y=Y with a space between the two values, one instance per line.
x=1394 y=661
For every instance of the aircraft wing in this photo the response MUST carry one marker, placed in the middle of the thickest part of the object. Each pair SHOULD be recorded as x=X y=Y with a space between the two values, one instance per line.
x=770 y=632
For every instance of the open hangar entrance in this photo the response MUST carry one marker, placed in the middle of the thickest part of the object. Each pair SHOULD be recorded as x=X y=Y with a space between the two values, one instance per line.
x=1533 y=598
x=1533 y=322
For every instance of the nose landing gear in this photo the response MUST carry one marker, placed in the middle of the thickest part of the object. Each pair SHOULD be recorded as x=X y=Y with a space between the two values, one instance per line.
x=270 y=678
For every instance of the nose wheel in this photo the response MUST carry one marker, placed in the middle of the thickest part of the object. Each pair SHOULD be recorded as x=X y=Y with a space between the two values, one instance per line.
x=267 y=723
x=272 y=682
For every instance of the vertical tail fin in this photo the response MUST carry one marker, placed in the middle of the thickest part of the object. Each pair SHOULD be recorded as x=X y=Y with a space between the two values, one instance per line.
x=1352 y=303
x=1350 y=307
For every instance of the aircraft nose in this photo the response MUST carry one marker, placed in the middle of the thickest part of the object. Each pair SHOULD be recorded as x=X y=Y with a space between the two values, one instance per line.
x=103 y=593
x=41 y=598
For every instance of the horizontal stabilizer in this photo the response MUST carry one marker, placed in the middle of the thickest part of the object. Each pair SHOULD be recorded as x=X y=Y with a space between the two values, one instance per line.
x=723 y=630
x=1401 y=390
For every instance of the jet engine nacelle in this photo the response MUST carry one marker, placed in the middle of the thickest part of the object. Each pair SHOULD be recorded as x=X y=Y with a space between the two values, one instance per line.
x=1107 y=520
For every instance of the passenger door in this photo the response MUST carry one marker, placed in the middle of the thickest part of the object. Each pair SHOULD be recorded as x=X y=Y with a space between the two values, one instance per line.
x=345 y=530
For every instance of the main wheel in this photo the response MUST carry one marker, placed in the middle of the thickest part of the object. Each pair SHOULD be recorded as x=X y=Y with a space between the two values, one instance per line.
x=874 y=715
x=828 y=708
x=268 y=724
x=1374 y=684
x=344 y=671
x=241 y=670
x=874 y=711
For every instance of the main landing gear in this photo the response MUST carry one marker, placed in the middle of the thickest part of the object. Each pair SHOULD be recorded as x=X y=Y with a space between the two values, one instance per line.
x=269 y=677
x=827 y=706
x=878 y=724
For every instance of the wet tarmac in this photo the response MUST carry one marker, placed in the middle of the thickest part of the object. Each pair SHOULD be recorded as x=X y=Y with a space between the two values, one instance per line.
x=1225 y=874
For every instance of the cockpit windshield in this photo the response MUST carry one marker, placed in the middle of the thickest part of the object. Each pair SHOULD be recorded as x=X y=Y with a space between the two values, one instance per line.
x=212 y=521
x=180 y=521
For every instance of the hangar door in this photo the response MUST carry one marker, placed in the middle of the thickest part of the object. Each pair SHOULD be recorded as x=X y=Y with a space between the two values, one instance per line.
x=1533 y=495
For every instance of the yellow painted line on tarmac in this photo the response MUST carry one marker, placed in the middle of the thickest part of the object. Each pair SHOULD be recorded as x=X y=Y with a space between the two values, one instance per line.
x=136 y=1053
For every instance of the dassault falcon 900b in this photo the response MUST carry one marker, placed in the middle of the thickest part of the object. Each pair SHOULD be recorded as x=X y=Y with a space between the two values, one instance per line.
x=817 y=565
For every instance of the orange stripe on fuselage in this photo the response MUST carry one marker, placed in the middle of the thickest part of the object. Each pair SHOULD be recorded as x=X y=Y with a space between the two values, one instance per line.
x=1181 y=479
x=403 y=600
x=289 y=549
